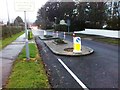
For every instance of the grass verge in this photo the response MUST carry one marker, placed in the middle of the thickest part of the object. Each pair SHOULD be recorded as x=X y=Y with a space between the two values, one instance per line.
x=107 y=40
x=8 y=40
x=28 y=74
x=112 y=41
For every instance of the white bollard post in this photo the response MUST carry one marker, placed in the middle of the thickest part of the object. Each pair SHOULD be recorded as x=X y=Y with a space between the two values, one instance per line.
x=45 y=33
x=26 y=36
x=64 y=35
x=57 y=33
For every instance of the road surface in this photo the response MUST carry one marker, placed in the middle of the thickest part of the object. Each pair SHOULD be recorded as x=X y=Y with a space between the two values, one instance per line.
x=98 y=70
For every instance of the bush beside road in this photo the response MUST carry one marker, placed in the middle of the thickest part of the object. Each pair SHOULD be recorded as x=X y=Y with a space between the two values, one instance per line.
x=28 y=74
x=9 y=34
x=8 y=31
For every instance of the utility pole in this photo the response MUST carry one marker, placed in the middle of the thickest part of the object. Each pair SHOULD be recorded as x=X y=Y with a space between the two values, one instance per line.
x=8 y=13
x=8 y=22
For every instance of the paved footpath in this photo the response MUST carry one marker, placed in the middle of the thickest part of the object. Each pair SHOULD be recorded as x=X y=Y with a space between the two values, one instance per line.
x=8 y=56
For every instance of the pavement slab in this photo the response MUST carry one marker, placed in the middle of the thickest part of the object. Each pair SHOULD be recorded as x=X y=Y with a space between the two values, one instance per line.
x=11 y=51
x=6 y=69
x=7 y=56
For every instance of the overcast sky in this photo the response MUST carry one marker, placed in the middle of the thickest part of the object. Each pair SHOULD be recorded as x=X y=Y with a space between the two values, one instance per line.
x=31 y=16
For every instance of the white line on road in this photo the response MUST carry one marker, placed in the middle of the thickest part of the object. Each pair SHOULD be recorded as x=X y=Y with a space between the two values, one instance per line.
x=73 y=75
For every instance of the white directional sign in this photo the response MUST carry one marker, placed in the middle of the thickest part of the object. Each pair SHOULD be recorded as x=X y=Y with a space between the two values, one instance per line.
x=77 y=44
x=24 y=5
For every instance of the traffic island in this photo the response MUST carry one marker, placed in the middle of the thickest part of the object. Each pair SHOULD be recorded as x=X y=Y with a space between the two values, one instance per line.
x=67 y=48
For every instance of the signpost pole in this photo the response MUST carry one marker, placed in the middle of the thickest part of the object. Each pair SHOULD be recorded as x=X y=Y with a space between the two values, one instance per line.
x=26 y=38
x=68 y=24
x=23 y=6
x=68 y=29
x=64 y=35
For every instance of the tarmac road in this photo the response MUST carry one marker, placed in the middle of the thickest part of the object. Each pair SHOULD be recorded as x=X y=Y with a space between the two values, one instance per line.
x=98 y=70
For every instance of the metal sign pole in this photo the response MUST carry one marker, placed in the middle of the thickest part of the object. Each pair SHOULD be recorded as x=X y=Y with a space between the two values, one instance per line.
x=68 y=24
x=64 y=35
x=26 y=38
x=68 y=29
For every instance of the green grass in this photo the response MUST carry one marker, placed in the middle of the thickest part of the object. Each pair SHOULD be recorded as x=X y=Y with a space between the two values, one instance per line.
x=8 y=40
x=28 y=74
x=32 y=51
x=107 y=40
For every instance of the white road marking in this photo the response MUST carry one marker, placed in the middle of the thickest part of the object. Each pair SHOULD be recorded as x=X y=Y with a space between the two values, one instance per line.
x=73 y=75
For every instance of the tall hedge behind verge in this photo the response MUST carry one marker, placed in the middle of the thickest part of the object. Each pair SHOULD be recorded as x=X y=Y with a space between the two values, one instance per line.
x=8 y=31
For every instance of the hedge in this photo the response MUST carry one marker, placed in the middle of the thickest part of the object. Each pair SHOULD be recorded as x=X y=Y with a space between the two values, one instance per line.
x=8 y=31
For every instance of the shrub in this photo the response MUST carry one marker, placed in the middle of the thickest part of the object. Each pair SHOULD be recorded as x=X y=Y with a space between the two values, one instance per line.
x=48 y=36
x=8 y=31
x=59 y=41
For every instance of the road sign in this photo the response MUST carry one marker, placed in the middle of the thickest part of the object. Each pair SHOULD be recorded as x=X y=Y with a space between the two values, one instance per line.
x=77 y=44
x=24 y=5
